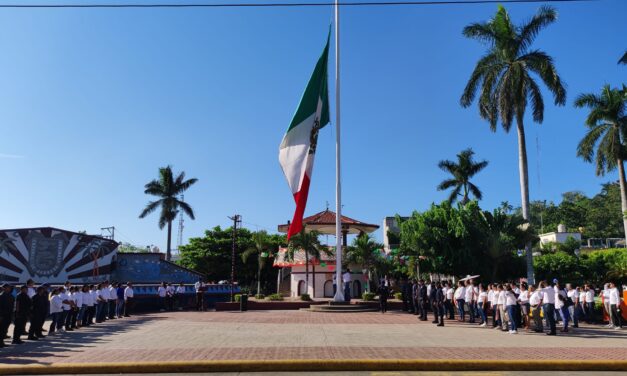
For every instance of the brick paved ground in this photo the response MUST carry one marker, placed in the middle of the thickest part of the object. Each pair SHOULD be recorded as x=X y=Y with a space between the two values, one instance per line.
x=305 y=335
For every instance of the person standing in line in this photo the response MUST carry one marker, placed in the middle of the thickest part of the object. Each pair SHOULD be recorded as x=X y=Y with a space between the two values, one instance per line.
x=162 y=292
x=414 y=297
x=590 y=303
x=7 y=302
x=422 y=300
x=573 y=304
x=22 y=313
x=562 y=306
x=32 y=291
x=615 y=300
x=91 y=306
x=199 y=287
x=65 y=310
x=179 y=295
x=112 y=300
x=449 y=301
x=535 y=303
x=119 y=301
x=482 y=305
x=502 y=304
x=439 y=303
x=468 y=298
x=523 y=298
x=383 y=291
x=460 y=296
x=169 y=296
x=40 y=307
x=101 y=298
x=76 y=303
x=605 y=294
x=128 y=299
x=56 y=311
x=492 y=303
x=434 y=303
x=347 y=279
x=548 y=301
x=511 y=304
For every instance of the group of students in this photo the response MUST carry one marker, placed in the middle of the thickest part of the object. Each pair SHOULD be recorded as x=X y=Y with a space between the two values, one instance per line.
x=69 y=307
x=169 y=295
x=511 y=306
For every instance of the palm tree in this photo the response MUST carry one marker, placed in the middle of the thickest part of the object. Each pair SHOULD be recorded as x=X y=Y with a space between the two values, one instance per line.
x=262 y=247
x=364 y=251
x=607 y=129
x=505 y=233
x=308 y=242
x=168 y=189
x=504 y=79
x=462 y=170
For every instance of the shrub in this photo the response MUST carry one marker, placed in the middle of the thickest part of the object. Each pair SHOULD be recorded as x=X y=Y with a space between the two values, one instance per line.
x=260 y=296
x=275 y=297
x=305 y=297
x=238 y=297
x=367 y=296
x=398 y=295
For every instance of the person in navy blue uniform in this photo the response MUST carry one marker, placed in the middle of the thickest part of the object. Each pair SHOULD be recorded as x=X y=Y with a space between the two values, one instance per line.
x=7 y=303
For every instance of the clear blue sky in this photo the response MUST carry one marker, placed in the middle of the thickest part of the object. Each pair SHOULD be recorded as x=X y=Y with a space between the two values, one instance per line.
x=93 y=101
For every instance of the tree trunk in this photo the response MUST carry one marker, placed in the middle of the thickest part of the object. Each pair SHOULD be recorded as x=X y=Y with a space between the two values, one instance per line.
x=623 y=195
x=306 y=272
x=259 y=274
x=313 y=272
x=524 y=192
x=168 y=254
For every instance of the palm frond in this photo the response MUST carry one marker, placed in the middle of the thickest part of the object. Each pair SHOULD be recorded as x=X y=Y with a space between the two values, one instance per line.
x=152 y=206
x=545 y=16
x=475 y=191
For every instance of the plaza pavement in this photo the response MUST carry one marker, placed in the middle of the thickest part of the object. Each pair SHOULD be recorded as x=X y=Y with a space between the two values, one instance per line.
x=277 y=335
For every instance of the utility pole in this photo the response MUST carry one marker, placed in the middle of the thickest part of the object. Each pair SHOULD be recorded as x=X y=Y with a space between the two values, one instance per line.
x=236 y=220
x=110 y=232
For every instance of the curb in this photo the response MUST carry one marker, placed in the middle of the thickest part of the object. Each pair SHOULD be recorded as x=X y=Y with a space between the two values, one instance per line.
x=312 y=365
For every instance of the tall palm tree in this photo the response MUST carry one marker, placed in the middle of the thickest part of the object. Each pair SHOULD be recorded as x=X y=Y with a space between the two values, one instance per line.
x=364 y=251
x=262 y=247
x=168 y=189
x=462 y=170
x=504 y=79
x=607 y=131
x=308 y=242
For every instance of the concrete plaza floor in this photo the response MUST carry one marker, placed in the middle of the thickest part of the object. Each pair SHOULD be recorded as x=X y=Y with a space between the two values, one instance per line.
x=268 y=335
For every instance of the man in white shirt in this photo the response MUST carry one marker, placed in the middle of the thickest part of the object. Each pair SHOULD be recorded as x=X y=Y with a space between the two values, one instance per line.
x=169 y=296
x=573 y=302
x=200 y=291
x=589 y=303
x=615 y=300
x=65 y=306
x=535 y=302
x=162 y=293
x=128 y=299
x=347 y=278
x=178 y=296
x=548 y=300
x=460 y=300
x=113 y=298
x=606 y=303
x=470 y=293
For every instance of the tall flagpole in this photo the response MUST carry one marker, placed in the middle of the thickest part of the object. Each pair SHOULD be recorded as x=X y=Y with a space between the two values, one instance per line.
x=339 y=294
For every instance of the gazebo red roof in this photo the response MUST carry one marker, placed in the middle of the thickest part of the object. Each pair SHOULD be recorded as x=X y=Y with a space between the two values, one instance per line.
x=324 y=222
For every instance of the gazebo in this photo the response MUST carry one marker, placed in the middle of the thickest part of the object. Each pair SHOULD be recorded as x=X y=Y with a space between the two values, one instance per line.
x=322 y=271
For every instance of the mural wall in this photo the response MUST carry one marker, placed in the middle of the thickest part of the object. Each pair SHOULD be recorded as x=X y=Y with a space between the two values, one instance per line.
x=52 y=255
x=150 y=268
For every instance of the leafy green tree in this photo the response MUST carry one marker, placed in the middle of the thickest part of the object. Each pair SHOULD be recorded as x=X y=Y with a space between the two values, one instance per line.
x=130 y=248
x=504 y=79
x=307 y=241
x=462 y=171
x=605 y=139
x=365 y=251
x=263 y=248
x=168 y=189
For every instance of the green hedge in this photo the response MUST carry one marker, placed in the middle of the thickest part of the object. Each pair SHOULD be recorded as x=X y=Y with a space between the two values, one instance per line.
x=305 y=297
x=275 y=297
x=594 y=267
x=367 y=296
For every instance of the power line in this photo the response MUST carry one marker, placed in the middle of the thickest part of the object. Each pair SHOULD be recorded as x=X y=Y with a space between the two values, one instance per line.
x=284 y=5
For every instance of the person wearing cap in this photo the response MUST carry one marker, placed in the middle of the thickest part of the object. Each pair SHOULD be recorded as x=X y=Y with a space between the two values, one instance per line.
x=22 y=312
x=40 y=308
x=6 y=311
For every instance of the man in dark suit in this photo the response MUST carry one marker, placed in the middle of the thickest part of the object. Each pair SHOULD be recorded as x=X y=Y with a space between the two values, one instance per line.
x=422 y=300
x=6 y=311
x=433 y=301
x=23 y=307
x=40 y=309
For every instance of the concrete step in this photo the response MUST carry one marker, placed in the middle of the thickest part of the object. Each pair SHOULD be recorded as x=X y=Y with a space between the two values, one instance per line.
x=340 y=308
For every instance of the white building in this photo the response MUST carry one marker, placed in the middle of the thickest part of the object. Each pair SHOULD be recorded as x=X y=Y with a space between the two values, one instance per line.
x=561 y=236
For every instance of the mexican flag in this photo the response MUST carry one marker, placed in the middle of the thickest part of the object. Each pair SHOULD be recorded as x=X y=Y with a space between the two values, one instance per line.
x=298 y=148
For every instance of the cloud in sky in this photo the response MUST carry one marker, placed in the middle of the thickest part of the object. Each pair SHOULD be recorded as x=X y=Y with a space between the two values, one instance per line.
x=10 y=156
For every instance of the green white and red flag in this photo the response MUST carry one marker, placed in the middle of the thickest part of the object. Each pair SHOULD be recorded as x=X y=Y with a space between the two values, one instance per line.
x=298 y=148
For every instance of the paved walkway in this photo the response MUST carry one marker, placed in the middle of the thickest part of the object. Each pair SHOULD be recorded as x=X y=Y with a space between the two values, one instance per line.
x=305 y=335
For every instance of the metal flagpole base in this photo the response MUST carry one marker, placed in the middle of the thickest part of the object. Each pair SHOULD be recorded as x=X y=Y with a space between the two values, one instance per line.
x=339 y=296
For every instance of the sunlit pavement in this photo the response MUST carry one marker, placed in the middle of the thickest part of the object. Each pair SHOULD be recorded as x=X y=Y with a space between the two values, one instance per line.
x=258 y=335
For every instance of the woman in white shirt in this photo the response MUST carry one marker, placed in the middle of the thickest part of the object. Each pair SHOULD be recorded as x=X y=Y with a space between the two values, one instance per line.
x=523 y=298
x=460 y=295
x=561 y=306
x=606 y=303
x=482 y=305
x=511 y=304
x=500 y=303
x=573 y=309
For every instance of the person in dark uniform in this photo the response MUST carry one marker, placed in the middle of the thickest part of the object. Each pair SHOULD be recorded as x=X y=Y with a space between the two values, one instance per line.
x=439 y=303
x=23 y=307
x=422 y=300
x=383 y=292
x=6 y=311
x=433 y=303
x=40 y=308
x=405 y=294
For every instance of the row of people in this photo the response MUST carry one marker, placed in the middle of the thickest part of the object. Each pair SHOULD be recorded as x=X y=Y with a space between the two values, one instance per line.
x=69 y=307
x=510 y=305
